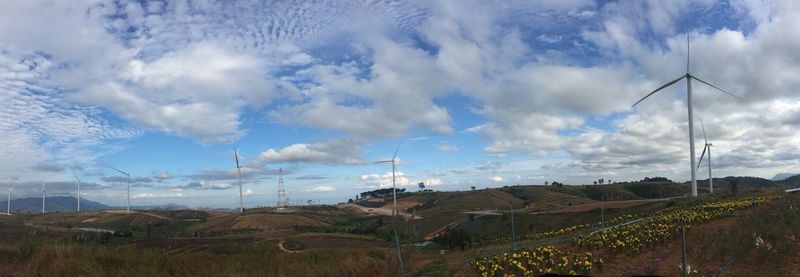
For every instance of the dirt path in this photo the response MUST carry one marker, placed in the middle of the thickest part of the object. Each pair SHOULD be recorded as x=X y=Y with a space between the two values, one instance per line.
x=440 y=230
x=283 y=248
x=597 y=205
x=484 y=212
x=380 y=210
x=156 y=216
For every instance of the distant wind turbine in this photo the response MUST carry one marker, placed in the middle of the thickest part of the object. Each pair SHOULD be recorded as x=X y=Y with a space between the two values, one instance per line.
x=8 y=209
x=239 y=177
x=707 y=147
x=689 y=77
x=43 y=195
x=78 y=186
x=128 y=175
x=393 y=161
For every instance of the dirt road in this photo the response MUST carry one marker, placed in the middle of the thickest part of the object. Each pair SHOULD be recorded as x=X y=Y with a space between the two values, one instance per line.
x=385 y=210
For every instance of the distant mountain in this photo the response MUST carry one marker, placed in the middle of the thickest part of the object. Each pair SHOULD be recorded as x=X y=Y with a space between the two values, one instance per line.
x=793 y=181
x=52 y=204
x=782 y=176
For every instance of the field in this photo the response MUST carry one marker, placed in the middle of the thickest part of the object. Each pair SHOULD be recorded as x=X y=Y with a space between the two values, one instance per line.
x=564 y=230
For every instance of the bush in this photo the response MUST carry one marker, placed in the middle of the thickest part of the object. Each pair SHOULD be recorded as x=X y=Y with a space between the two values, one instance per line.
x=26 y=248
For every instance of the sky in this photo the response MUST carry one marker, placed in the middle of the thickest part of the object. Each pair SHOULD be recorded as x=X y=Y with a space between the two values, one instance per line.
x=475 y=93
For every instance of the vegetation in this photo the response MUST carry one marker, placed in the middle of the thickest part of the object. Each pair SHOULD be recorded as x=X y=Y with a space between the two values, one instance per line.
x=558 y=230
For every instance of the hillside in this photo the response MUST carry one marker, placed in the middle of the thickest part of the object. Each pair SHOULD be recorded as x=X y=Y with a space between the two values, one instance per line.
x=742 y=182
x=793 y=181
x=52 y=204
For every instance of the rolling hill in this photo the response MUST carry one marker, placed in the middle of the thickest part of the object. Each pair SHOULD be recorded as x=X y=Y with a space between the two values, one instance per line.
x=52 y=204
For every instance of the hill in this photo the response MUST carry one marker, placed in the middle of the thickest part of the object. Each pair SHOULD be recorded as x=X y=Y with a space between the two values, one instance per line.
x=783 y=176
x=53 y=204
x=793 y=181
x=742 y=181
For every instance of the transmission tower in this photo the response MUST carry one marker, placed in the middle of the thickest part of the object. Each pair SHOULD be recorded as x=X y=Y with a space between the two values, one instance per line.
x=282 y=198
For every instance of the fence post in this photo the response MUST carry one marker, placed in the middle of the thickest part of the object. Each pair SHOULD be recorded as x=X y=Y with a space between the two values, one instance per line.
x=399 y=254
x=513 y=232
x=683 y=248
x=602 y=211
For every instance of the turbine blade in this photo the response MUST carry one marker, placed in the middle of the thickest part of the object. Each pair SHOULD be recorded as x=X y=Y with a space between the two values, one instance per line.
x=688 y=49
x=713 y=86
x=704 y=132
x=395 y=151
x=236 y=156
x=659 y=88
x=383 y=162
x=120 y=171
x=73 y=174
x=701 y=156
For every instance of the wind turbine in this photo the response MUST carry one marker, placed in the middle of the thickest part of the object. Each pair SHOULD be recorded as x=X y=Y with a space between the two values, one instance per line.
x=78 y=185
x=43 y=195
x=8 y=209
x=239 y=177
x=707 y=147
x=395 y=212
x=128 y=175
x=689 y=77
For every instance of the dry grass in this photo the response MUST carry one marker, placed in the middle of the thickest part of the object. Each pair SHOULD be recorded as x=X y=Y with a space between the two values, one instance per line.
x=255 y=260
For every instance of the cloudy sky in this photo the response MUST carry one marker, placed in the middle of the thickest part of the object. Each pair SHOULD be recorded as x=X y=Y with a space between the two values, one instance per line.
x=478 y=93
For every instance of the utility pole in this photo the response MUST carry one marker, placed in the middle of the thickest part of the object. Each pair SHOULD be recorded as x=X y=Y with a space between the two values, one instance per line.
x=602 y=211
x=684 y=270
x=513 y=232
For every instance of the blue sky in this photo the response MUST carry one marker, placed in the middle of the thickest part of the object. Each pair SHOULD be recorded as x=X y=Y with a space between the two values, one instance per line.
x=476 y=93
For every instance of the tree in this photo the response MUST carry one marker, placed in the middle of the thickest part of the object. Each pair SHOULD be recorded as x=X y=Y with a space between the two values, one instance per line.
x=421 y=186
x=732 y=184
x=595 y=182
x=546 y=183
x=601 y=181
x=350 y=200
x=472 y=187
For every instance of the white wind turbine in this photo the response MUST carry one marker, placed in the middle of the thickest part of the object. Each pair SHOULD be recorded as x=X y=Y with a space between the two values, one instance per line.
x=239 y=177
x=128 y=175
x=689 y=77
x=78 y=186
x=393 y=161
x=8 y=209
x=706 y=148
x=43 y=195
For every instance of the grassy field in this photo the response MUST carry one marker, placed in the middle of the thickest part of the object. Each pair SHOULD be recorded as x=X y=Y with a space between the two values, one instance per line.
x=467 y=226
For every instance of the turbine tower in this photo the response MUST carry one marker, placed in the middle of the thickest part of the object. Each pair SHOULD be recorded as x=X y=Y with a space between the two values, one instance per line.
x=239 y=177
x=393 y=161
x=8 y=209
x=283 y=201
x=78 y=185
x=689 y=77
x=706 y=148
x=43 y=195
x=128 y=175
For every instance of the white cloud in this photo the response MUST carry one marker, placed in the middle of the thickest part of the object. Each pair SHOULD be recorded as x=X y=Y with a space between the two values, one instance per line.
x=433 y=182
x=385 y=180
x=497 y=178
x=321 y=189
x=337 y=151
x=248 y=192
x=150 y=195
x=447 y=148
